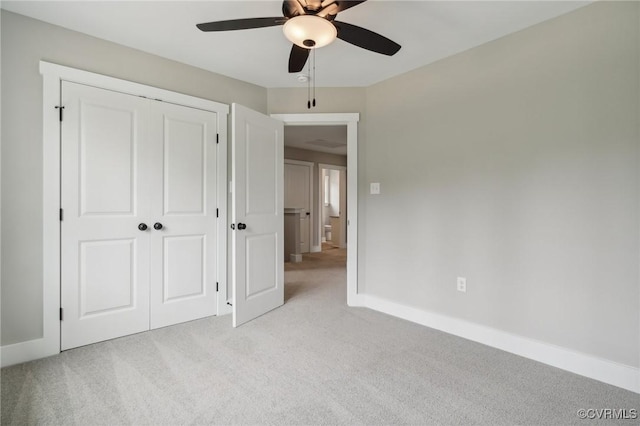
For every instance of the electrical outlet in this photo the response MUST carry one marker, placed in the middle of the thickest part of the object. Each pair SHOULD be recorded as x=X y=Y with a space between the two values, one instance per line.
x=374 y=188
x=462 y=284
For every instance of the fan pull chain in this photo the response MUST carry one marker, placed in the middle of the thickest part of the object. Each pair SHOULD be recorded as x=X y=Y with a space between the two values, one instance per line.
x=314 y=78
x=309 y=84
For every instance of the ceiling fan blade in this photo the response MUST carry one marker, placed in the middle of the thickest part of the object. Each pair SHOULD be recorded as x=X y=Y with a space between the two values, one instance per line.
x=297 y=58
x=241 y=24
x=366 y=39
x=344 y=5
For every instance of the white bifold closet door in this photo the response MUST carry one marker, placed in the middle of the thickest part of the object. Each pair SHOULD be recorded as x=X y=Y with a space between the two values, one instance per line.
x=139 y=195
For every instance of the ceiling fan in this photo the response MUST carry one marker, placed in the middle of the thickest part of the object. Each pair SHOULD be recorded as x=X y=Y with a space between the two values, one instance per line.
x=310 y=24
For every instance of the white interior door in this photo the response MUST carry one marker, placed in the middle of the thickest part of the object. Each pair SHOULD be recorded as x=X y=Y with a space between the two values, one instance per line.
x=104 y=256
x=183 y=207
x=257 y=214
x=297 y=187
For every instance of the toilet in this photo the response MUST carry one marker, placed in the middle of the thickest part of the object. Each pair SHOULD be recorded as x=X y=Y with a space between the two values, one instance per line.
x=327 y=233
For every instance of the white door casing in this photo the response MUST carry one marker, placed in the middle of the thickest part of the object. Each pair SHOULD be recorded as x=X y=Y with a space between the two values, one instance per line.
x=183 y=250
x=351 y=121
x=257 y=203
x=105 y=257
x=343 y=212
x=297 y=194
x=130 y=162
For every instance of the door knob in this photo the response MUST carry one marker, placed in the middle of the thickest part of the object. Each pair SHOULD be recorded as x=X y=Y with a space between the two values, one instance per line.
x=157 y=226
x=142 y=227
x=242 y=226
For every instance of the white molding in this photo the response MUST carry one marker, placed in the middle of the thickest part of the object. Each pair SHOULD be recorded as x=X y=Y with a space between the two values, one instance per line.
x=295 y=258
x=613 y=373
x=316 y=249
x=331 y=166
x=24 y=352
x=51 y=92
x=53 y=75
x=222 y=196
x=299 y=162
x=351 y=121
x=321 y=119
x=137 y=89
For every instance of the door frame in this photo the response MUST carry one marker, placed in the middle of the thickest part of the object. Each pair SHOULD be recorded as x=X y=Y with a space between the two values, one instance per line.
x=308 y=164
x=351 y=121
x=343 y=224
x=53 y=75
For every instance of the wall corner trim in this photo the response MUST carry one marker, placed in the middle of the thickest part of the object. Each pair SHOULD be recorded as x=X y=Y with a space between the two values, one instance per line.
x=603 y=370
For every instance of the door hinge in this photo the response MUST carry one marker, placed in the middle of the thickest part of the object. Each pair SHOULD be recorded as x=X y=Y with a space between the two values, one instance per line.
x=216 y=212
x=216 y=286
x=217 y=138
x=61 y=215
x=61 y=314
x=60 y=108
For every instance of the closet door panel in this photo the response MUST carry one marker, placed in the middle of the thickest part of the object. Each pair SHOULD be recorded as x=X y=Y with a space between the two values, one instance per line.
x=104 y=256
x=183 y=248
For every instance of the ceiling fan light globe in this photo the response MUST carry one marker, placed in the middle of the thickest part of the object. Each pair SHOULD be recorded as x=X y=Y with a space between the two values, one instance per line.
x=305 y=28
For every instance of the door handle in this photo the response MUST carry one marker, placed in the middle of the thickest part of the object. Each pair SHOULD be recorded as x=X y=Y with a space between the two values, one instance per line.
x=142 y=227
x=157 y=226
x=241 y=226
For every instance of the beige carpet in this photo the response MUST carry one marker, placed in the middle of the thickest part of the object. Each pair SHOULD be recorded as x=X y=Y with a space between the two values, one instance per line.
x=312 y=361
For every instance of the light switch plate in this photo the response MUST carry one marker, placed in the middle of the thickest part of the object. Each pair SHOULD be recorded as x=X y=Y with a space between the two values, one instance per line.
x=461 y=284
x=375 y=188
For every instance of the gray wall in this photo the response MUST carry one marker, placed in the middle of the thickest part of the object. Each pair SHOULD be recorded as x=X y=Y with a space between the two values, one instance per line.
x=329 y=100
x=24 y=43
x=515 y=165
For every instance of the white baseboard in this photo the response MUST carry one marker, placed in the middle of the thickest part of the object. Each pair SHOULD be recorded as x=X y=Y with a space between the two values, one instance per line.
x=357 y=301
x=613 y=373
x=316 y=249
x=24 y=352
x=295 y=258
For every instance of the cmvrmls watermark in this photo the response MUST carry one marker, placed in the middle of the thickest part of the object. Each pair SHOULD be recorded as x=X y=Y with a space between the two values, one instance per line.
x=608 y=413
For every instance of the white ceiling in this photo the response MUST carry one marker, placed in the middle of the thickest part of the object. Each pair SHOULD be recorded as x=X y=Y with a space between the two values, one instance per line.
x=427 y=30
x=330 y=139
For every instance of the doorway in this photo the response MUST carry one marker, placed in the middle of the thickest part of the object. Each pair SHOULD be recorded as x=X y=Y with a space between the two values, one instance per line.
x=333 y=202
x=350 y=121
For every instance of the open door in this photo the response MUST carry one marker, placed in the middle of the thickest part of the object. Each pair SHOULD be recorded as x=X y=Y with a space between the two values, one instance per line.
x=257 y=217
